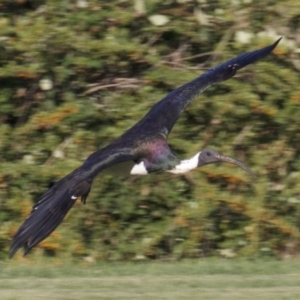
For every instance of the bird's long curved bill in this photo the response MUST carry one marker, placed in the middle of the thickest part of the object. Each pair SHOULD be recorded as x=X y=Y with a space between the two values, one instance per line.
x=236 y=162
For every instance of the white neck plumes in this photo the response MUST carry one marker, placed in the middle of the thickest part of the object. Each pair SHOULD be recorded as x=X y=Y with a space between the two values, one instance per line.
x=183 y=167
x=186 y=165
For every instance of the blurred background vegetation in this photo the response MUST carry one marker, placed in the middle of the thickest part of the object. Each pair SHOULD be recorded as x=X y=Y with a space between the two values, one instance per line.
x=74 y=75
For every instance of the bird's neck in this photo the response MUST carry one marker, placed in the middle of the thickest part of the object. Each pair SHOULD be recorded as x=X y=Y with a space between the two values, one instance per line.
x=186 y=165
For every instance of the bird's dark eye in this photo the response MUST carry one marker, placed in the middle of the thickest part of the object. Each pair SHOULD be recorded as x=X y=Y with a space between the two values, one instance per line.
x=208 y=153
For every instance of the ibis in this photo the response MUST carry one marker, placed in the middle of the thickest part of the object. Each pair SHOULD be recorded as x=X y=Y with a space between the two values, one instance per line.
x=145 y=145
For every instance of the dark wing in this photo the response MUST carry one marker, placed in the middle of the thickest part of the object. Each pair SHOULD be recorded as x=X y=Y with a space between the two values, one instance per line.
x=52 y=206
x=164 y=114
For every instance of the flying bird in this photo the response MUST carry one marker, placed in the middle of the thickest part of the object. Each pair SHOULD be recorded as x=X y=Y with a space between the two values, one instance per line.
x=144 y=144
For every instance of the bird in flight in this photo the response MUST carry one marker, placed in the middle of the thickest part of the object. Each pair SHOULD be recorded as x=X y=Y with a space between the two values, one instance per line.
x=144 y=144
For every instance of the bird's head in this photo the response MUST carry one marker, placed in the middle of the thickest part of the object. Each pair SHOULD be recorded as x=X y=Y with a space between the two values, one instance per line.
x=210 y=156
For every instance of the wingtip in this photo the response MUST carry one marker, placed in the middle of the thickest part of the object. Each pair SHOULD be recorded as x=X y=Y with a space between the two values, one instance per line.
x=12 y=252
x=274 y=45
x=277 y=42
x=26 y=251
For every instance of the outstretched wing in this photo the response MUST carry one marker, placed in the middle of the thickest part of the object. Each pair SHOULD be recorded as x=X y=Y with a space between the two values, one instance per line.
x=51 y=208
x=164 y=114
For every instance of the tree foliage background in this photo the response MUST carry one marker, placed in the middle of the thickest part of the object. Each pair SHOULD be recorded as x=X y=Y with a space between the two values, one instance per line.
x=74 y=75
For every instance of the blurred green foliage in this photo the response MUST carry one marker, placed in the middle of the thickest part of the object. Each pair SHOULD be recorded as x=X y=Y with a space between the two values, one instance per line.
x=74 y=75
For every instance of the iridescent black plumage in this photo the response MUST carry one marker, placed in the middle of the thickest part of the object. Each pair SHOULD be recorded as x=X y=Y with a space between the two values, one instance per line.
x=145 y=142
